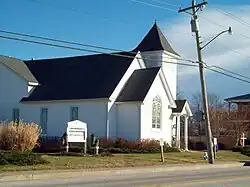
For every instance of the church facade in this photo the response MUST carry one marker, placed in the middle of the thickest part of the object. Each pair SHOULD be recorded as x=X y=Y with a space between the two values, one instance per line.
x=130 y=95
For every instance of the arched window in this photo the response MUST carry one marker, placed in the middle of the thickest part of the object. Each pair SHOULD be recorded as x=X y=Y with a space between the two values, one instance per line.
x=156 y=113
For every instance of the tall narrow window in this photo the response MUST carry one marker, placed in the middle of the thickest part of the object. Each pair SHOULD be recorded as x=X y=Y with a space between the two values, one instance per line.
x=44 y=120
x=74 y=113
x=156 y=113
x=16 y=115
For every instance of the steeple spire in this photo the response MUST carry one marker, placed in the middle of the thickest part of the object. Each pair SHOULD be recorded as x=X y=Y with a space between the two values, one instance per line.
x=155 y=41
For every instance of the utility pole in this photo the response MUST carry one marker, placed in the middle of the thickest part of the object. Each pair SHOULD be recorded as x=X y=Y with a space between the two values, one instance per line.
x=195 y=28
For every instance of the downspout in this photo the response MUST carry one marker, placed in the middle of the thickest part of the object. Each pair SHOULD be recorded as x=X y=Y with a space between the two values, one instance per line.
x=139 y=112
x=107 y=120
x=116 y=122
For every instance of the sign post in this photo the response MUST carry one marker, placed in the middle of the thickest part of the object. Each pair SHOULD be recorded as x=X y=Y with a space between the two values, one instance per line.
x=162 y=152
x=97 y=147
x=214 y=146
x=243 y=138
x=77 y=133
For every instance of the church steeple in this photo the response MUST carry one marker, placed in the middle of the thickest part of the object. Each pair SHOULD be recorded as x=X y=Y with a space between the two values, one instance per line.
x=155 y=41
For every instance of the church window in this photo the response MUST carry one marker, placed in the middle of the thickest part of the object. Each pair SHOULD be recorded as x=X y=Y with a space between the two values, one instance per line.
x=44 y=120
x=16 y=112
x=156 y=113
x=74 y=113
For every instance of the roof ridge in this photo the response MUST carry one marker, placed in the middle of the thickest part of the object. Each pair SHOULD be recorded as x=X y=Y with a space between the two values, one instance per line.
x=98 y=54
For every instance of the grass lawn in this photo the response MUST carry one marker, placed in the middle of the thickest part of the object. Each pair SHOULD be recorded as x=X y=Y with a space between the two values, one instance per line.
x=125 y=160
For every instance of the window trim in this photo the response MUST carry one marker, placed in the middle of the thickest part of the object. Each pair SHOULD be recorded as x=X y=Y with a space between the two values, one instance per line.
x=16 y=118
x=44 y=127
x=72 y=112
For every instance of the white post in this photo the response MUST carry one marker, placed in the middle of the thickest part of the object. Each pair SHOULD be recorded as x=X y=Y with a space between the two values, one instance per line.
x=186 y=133
x=178 y=132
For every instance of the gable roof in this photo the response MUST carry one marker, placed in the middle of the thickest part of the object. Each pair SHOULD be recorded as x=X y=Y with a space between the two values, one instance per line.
x=154 y=41
x=180 y=104
x=240 y=97
x=19 y=67
x=138 y=85
x=80 y=77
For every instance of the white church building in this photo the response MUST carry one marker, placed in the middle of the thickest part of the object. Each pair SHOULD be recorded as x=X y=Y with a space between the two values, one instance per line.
x=130 y=95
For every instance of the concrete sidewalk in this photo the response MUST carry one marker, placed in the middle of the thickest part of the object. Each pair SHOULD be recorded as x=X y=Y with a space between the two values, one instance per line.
x=68 y=174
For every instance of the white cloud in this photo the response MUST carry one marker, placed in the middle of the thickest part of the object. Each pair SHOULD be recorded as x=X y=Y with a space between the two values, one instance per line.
x=222 y=51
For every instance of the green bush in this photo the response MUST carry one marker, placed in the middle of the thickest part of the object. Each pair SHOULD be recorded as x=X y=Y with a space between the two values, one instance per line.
x=21 y=159
x=237 y=149
x=168 y=149
x=246 y=151
x=243 y=150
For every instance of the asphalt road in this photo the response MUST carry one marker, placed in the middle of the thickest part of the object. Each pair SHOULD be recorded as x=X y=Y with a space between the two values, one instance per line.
x=229 y=177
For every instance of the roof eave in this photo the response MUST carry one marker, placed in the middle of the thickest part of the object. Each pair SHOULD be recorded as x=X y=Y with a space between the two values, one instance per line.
x=237 y=100
x=129 y=102
x=60 y=101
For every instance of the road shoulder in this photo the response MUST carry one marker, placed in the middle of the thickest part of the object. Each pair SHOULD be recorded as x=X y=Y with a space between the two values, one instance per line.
x=52 y=174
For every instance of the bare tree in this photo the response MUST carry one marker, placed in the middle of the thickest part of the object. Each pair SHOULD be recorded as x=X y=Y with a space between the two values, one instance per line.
x=238 y=122
x=219 y=120
x=179 y=94
x=214 y=101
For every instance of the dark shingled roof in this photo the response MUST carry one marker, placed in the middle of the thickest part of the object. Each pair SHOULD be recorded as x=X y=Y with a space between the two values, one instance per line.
x=138 y=85
x=155 y=40
x=241 y=97
x=19 y=67
x=81 y=77
x=180 y=104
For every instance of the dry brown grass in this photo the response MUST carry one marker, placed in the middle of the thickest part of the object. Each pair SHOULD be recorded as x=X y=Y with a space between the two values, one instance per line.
x=18 y=136
x=125 y=160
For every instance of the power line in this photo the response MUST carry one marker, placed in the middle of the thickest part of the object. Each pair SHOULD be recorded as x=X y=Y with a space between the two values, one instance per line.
x=213 y=22
x=222 y=26
x=166 y=3
x=57 y=40
x=115 y=54
x=98 y=47
x=91 y=51
x=211 y=66
x=233 y=17
x=227 y=74
x=153 y=5
x=76 y=43
x=170 y=9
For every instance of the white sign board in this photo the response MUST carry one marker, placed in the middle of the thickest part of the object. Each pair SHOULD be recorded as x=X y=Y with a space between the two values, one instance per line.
x=215 y=141
x=161 y=142
x=77 y=131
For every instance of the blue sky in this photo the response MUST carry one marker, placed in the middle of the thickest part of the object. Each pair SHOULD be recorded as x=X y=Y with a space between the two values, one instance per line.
x=122 y=24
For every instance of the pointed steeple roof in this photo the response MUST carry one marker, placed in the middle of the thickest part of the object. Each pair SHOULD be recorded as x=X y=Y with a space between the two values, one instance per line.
x=154 y=41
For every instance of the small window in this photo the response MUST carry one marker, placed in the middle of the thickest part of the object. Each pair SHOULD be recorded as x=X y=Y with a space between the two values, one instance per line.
x=16 y=115
x=156 y=113
x=74 y=113
x=44 y=120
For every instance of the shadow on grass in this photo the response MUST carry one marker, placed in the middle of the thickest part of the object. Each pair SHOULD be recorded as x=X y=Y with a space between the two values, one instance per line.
x=66 y=154
x=245 y=163
x=72 y=154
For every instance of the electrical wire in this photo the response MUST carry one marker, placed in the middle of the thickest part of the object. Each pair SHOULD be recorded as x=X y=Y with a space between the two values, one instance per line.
x=76 y=43
x=91 y=51
x=243 y=76
x=115 y=54
x=211 y=21
x=228 y=14
x=166 y=3
x=98 y=47
x=153 y=5
x=226 y=74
